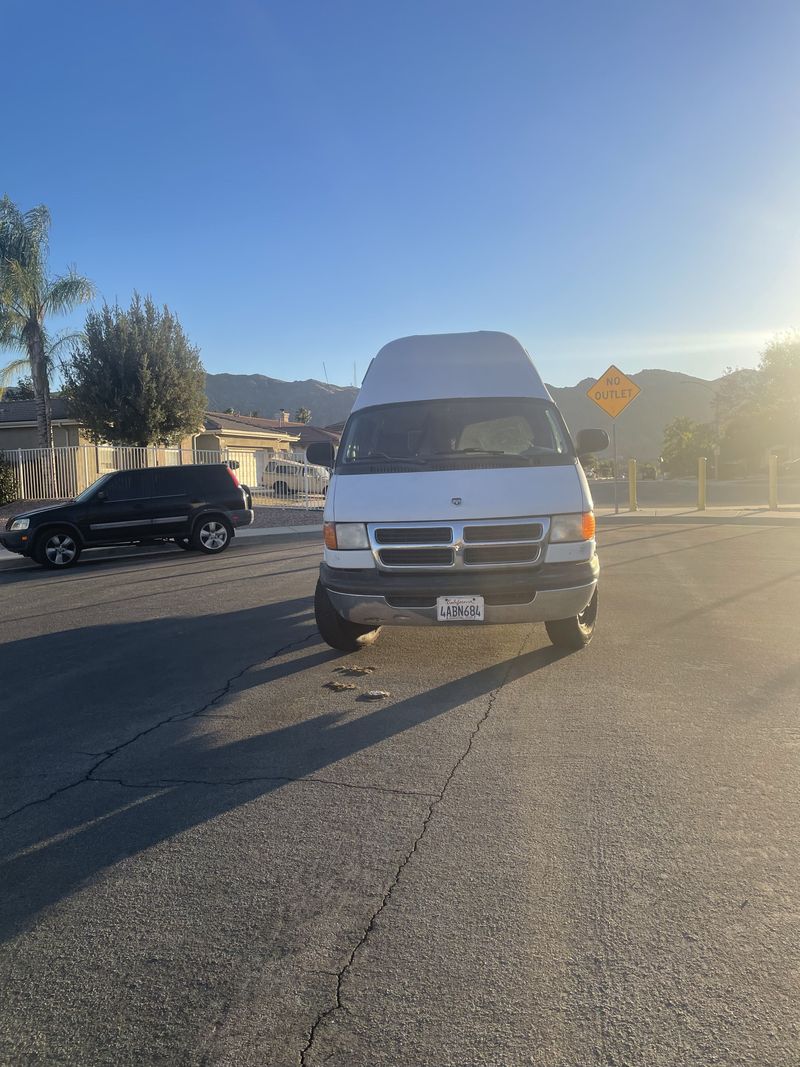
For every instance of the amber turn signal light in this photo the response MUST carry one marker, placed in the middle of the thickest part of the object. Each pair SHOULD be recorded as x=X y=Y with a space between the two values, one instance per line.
x=329 y=535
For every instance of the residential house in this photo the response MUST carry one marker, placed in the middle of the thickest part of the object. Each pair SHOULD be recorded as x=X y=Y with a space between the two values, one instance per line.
x=77 y=461
x=281 y=424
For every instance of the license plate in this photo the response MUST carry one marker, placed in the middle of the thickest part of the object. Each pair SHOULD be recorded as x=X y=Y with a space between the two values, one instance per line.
x=459 y=608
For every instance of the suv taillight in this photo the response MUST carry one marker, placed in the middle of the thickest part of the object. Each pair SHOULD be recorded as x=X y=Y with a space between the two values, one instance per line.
x=232 y=473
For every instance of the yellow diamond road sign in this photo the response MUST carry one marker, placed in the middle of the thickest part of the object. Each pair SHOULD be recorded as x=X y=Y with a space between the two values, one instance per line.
x=613 y=391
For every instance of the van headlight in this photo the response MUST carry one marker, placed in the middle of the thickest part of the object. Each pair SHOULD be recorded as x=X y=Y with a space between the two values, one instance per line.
x=20 y=524
x=577 y=527
x=345 y=535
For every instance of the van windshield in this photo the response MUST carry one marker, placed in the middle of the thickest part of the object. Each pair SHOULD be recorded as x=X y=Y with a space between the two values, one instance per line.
x=446 y=434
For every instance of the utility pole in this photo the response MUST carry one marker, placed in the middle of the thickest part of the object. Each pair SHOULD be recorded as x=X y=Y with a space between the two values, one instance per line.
x=715 y=409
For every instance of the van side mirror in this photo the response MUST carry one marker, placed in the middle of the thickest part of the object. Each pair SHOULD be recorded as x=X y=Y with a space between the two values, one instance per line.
x=321 y=454
x=590 y=441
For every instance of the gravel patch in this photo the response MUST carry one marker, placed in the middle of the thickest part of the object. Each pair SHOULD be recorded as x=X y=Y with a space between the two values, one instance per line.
x=277 y=516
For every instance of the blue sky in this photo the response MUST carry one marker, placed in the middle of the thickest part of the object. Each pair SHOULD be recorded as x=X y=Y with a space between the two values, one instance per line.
x=303 y=181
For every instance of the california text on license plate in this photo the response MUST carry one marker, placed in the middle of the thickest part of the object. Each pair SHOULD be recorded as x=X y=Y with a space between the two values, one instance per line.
x=459 y=608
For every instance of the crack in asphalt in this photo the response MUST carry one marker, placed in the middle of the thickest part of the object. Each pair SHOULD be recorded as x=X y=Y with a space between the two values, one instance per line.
x=183 y=717
x=166 y=782
x=437 y=799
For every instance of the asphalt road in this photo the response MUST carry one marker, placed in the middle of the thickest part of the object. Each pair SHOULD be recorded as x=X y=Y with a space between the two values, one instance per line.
x=519 y=857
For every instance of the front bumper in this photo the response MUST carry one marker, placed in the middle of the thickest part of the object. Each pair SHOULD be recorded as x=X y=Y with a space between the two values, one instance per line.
x=376 y=598
x=17 y=542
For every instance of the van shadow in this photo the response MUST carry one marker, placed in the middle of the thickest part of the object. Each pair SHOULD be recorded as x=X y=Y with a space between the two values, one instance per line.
x=61 y=845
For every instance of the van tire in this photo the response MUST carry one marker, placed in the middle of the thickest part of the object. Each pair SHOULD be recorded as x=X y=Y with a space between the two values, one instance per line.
x=335 y=631
x=280 y=489
x=57 y=548
x=211 y=534
x=574 y=633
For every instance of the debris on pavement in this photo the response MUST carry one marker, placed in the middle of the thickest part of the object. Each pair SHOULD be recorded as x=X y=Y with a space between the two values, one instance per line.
x=355 y=668
x=375 y=694
x=337 y=687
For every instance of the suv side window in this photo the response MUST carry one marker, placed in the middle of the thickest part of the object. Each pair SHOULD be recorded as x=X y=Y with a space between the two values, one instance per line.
x=213 y=481
x=129 y=485
x=170 y=481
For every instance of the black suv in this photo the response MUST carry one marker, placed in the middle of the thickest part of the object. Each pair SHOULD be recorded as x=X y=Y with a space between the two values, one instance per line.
x=198 y=507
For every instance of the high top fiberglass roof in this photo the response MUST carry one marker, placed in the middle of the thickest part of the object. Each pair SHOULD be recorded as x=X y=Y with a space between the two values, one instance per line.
x=447 y=365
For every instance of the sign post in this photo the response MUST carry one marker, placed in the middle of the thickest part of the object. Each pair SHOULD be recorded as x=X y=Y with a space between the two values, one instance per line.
x=612 y=392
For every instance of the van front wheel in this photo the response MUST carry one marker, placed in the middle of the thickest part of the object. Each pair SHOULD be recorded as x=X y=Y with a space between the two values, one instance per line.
x=335 y=631
x=574 y=633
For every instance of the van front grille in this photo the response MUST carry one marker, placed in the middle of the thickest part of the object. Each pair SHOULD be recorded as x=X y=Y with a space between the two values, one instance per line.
x=487 y=555
x=416 y=557
x=456 y=546
x=530 y=531
x=414 y=535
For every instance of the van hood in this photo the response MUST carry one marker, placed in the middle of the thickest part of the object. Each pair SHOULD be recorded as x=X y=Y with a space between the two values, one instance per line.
x=428 y=496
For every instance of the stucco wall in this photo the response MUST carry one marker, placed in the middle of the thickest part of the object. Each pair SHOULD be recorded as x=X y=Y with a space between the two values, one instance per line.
x=12 y=437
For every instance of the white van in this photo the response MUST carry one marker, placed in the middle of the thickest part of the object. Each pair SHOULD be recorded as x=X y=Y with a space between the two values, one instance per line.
x=457 y=496
x=287 y=477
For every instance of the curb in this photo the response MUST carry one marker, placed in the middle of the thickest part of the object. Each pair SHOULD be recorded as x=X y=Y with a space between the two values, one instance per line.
x=641 y=518
x=263 y=533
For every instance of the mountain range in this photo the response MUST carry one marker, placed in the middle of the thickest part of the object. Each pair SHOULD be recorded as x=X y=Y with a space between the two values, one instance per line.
x=640 y=428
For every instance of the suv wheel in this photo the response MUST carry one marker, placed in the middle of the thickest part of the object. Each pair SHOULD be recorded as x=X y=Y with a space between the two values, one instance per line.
x=57 y=549
x=212 y=535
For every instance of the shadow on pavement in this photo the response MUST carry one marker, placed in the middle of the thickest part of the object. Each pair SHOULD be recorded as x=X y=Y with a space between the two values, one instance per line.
x=130 y=562
x=52 y=851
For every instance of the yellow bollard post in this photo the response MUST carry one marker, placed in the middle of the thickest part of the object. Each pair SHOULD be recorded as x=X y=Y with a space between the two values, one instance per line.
x=701 y=483
x=632 y=500
x=773 y=482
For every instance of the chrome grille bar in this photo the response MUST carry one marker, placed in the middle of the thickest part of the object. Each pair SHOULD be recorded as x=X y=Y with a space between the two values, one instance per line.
x=444 y=546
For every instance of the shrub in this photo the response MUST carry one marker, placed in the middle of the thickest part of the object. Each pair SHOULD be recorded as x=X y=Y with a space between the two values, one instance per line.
x=8 y=482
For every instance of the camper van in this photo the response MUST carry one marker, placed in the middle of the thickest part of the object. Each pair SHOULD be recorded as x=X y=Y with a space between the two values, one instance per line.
x=457 y=498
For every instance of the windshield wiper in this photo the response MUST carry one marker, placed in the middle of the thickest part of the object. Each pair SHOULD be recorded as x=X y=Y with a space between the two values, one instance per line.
x=381 y=459
x=473 y=452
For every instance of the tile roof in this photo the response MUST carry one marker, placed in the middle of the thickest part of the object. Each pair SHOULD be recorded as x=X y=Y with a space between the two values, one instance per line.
x=219 y=420
x=25 y=410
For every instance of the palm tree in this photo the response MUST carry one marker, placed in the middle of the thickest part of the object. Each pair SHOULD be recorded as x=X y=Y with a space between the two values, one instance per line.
x=28 y=295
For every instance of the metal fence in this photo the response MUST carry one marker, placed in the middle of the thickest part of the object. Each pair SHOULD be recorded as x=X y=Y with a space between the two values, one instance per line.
x=281 y=478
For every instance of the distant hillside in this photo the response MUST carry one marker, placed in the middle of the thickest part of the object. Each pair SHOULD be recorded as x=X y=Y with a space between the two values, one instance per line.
x=640 y=428
x=256 y=392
